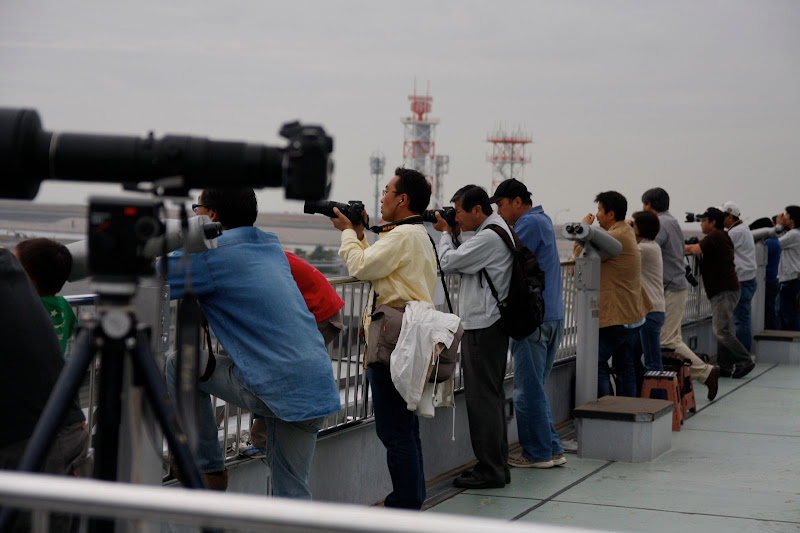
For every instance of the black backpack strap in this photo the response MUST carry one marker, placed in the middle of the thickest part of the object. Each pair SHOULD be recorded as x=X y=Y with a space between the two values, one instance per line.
x=491 y=285
x=444 y=284
x=504 y=236
x=512 y=245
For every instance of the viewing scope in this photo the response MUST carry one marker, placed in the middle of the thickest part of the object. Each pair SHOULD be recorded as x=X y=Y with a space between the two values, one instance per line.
x=29 y=154
x=607 y=245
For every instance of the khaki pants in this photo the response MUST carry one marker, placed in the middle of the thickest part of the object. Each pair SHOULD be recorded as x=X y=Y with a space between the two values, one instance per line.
x=671 y=333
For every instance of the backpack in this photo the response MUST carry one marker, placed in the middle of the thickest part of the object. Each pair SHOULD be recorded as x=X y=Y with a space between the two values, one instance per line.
x=522 y=312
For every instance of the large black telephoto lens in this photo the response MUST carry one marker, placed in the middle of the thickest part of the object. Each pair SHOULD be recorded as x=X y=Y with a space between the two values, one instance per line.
x=353 y=210
x=29 y=154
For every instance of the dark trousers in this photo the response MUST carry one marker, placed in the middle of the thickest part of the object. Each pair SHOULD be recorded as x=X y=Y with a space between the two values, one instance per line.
x=398 y=430
x=790 y=305
x=484 y=355
x=771 y=320
x=617 y=343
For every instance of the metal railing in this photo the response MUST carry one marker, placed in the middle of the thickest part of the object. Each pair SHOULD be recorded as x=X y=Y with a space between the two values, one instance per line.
x=347 y=354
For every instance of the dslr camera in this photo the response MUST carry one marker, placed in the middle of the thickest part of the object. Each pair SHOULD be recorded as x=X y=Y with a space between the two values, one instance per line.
x=353 y=210
x=691 y=217
x=447 y=213
x=691 y=240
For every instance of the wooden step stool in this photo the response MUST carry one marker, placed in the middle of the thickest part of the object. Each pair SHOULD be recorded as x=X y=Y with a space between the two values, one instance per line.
x=668 y=381
x=682 y=366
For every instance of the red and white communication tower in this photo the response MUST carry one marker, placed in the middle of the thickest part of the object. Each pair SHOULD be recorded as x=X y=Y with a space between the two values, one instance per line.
x=508 y=154
x=419 y=144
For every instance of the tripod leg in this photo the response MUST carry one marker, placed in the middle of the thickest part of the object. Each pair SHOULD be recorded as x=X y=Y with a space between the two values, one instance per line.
x=109 y=409
x=61 y=397
x=162 y=406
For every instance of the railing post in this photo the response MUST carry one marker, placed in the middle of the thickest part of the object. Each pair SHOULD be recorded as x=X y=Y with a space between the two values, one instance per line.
x=759 y=298
x=587 y=322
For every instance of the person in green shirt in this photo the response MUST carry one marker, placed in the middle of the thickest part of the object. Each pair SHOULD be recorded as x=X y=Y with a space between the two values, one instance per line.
x=48 y=264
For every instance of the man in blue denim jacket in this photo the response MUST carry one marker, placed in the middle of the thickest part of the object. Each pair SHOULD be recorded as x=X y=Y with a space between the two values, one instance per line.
x=277 y=363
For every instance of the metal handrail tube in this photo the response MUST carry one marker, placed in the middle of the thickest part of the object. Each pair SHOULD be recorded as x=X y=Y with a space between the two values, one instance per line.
x=233 y=511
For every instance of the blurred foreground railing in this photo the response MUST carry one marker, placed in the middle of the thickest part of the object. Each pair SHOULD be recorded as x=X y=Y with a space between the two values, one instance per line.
x=139 y=506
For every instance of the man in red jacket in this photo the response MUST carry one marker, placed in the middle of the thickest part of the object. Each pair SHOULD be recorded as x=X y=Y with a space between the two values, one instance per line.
x=326 y=306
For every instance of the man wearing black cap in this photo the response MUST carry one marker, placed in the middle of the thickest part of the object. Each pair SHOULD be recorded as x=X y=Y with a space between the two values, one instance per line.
x=722 y=288
x=534 y=356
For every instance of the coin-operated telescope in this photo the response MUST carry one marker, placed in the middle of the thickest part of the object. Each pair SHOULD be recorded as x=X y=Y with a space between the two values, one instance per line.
x=592 y=238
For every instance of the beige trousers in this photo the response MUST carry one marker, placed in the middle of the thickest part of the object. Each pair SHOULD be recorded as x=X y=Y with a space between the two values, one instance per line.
x=671 y=333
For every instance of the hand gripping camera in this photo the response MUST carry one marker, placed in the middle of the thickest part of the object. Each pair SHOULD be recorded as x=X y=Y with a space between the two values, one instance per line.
x=447 y=213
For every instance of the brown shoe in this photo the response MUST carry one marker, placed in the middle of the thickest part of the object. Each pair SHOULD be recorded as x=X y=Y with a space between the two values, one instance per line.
x=216 y=480
x=712 y=382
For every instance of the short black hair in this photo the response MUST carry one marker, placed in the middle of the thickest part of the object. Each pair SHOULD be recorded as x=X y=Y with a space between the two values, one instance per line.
x=613 y=201
x=794 y=213
x=460 y=192
x=718 y=217
x=236 y=207
x=657 y=198
x=416 y=186
x=47 y=262
x=762 y=222
x=647 y=223
x=472 y=195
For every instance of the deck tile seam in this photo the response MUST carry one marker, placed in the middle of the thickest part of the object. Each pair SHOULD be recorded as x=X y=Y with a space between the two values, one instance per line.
x=676 y=512
x=717 y=400
x=742 y=433
x=562 y=491
x=484 y=494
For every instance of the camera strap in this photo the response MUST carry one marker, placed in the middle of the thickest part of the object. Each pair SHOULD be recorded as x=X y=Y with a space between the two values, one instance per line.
x=416 y=219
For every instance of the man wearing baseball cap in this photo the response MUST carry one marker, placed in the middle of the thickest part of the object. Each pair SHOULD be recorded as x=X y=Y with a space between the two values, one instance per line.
x=533 y=357
x=722 y=289
x=744 y=258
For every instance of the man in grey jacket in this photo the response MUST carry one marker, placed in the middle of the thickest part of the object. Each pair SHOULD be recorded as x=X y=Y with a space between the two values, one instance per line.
x=676 y=288
x=484 y=347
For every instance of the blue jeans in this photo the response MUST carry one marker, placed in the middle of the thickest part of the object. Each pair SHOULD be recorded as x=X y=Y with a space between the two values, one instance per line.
x=290 y=445
x=647 y=349
x=771 y=320
x=741 y=314
x=398 y=430
x=616 y=342
x=533 y=360
x=790 y=316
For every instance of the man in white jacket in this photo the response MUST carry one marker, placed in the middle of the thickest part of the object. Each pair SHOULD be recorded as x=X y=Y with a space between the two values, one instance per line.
x=484 y=347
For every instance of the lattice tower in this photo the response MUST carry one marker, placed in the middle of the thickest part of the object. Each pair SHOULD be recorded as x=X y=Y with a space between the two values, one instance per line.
x=419 y=139
x=508 y=155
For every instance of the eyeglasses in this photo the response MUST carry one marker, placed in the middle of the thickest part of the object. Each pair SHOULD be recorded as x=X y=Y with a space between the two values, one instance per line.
x=195 y=207
x=387 y=191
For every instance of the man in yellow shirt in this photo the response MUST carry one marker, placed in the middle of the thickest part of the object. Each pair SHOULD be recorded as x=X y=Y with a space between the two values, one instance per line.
x=401 y=265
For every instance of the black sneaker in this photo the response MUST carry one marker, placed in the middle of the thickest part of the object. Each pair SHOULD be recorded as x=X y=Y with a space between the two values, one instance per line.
x=725 y=372
x=742 y=371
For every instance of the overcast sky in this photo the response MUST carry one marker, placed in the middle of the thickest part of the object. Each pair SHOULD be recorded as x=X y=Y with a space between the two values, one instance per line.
x=701 y=97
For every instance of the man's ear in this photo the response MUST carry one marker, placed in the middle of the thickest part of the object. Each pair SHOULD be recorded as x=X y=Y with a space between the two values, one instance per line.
x=213 y=215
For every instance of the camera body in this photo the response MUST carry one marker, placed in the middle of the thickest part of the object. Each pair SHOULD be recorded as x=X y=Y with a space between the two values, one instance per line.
x=353 y=210
x=119 y=230
x=448 y=213
x=691 y=217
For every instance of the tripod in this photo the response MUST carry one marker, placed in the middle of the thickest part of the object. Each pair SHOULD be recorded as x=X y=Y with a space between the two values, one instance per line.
x=115 y=334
